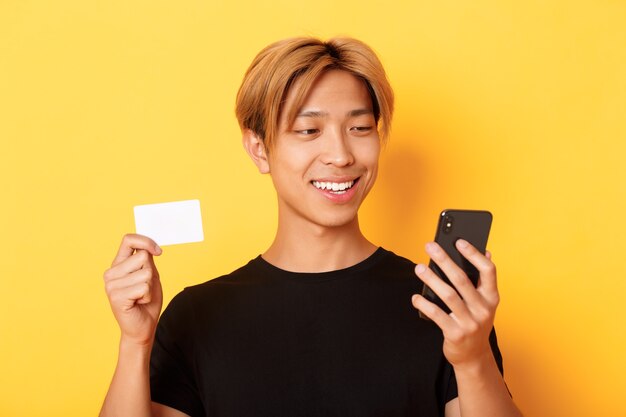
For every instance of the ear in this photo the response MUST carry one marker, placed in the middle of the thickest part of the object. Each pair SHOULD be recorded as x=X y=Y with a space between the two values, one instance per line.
x=256 y=149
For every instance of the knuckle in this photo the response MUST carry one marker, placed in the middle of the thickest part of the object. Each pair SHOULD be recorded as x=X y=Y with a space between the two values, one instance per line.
x=145 y=288
x=147 y=273
x=496 y=300
x=142 y=255
x=107 y=275
x=482 y=315
x=115 y=296
x=472 y=328
x=108 y=288
x=455 y=335
x=448 y=296
x=460 y=280
x=490 y=268
x=438 y=255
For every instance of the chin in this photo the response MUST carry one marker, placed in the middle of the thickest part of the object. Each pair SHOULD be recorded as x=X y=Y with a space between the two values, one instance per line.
x=335 y=220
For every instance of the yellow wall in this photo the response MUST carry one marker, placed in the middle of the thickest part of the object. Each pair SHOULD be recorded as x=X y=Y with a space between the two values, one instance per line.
x=514 y=106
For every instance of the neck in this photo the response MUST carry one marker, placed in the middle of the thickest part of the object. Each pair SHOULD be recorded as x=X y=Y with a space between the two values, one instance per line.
x=314 y=248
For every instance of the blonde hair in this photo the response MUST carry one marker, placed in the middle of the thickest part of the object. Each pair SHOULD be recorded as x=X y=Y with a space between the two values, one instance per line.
x=275 y=69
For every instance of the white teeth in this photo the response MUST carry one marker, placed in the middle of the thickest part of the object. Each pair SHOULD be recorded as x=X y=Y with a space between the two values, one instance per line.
x=333 y=186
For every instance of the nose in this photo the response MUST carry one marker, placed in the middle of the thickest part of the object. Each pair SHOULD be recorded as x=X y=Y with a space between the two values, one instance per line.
x=336 y=149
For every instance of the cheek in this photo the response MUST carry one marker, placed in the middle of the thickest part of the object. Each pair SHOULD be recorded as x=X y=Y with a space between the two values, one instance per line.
x=291 y=161
x=369 y=154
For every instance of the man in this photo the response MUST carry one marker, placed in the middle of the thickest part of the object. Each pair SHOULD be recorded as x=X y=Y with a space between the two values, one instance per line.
x=321 y=323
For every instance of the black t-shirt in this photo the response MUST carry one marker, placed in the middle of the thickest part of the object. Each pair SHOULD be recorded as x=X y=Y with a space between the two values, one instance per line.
x=262 y=341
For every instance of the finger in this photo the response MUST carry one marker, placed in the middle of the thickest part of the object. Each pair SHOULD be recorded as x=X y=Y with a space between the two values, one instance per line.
x=147 y=298
x=127 y=297
x=155 y=284
x=433 y=312
x=142 y=275
x=140 y=259
x=455 y=274
x=152 y=265
x=446 y=293
x=485 y=267
x=131 y=242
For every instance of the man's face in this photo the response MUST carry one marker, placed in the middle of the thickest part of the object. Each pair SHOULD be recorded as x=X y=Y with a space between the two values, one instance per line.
x=325 y=164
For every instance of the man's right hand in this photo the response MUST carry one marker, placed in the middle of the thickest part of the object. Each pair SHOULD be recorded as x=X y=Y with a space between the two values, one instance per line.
x=134 y=289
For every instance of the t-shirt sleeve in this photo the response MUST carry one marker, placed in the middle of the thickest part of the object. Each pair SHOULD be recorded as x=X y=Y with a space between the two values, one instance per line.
x=172 y=378
x=448 y=380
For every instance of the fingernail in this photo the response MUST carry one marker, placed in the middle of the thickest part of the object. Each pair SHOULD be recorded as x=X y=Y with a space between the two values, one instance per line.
x=461 y=243
x=420 y=268
x=158 y=250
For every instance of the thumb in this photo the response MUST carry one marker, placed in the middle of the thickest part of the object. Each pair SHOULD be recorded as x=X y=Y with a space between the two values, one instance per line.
x=132 y=242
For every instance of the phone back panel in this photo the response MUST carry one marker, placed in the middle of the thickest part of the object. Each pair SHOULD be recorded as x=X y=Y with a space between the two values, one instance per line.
x=471 y=225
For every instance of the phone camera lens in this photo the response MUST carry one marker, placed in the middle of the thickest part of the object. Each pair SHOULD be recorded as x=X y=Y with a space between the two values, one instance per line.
x=448 y=222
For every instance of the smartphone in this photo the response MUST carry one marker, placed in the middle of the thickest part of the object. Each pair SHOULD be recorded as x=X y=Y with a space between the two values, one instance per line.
x=471 y=225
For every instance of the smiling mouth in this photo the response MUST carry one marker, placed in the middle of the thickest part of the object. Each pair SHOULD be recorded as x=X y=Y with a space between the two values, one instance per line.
x=334 y=187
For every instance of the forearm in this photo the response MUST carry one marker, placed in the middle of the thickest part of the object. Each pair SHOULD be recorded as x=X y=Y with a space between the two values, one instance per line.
x=129 y=393
x=482 y=392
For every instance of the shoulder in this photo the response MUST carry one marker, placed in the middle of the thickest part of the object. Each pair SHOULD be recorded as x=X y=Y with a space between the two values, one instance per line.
x=388 y=273
x=248 y=274
x=217 y=291
x=395 y=264
x=393 y=258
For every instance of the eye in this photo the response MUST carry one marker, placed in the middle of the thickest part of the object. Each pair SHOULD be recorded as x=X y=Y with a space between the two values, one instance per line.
x=361 y=129
x=307 y=132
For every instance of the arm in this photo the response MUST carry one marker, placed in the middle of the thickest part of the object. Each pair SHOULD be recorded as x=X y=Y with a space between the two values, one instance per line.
x=134 y=290
x=482 y=392
x=129 y=393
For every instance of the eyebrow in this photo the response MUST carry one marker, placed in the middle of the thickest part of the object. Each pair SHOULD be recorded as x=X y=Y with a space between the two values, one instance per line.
x=360 y=112
x=351 y=113
x=312 y=113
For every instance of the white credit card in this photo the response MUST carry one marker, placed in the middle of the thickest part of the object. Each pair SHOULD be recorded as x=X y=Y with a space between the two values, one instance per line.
x=170 y=223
